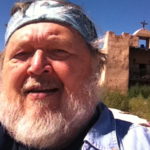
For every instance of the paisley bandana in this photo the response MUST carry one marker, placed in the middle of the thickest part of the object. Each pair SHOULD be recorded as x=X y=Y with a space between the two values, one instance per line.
x=52 y=11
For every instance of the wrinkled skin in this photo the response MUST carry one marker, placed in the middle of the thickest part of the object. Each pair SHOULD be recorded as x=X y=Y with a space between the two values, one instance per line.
x=47 y=69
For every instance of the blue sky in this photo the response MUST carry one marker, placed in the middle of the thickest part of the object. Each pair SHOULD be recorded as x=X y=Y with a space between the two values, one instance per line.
x=108 y=15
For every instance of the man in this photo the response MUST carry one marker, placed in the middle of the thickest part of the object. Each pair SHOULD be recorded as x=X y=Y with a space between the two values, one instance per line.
x=49 y=84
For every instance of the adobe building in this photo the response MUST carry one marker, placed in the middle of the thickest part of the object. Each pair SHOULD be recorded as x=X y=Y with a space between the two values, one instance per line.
x=128 y=59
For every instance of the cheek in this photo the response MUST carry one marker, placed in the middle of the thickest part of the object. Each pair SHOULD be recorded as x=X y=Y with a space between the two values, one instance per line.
x=73 y=74
x=13 y=76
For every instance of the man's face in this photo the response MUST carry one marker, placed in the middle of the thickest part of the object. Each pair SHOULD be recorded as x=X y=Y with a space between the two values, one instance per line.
x=47 y=69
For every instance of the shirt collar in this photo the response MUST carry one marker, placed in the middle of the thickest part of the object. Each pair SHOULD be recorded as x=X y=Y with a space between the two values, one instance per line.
x=103 y=134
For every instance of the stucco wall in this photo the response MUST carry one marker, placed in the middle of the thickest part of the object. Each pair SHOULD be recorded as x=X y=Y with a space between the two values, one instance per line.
x=117 y=68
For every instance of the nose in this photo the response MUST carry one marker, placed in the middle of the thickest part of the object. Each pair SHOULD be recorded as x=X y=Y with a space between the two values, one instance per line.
x=38 y=64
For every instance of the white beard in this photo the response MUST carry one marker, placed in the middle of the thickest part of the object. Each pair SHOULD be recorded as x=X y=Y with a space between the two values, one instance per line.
x=43 y=128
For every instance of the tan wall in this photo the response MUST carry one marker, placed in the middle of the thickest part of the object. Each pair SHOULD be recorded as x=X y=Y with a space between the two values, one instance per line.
x=117 y=68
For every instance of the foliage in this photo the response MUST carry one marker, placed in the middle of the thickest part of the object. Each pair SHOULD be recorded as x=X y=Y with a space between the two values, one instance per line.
x=140 y=107
x=116 y=100
x=137 y=91
x=136 y=101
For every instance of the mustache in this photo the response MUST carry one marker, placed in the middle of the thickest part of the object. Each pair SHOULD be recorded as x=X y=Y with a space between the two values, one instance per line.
x=41 y=83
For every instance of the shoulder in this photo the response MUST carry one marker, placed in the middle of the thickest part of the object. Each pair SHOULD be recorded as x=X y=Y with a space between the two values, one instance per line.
x=111 y=131
x=118 y=114
x=129 y=131
x=132 y=137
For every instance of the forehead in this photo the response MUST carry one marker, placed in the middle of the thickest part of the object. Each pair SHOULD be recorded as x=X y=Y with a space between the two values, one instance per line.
x=45 y=31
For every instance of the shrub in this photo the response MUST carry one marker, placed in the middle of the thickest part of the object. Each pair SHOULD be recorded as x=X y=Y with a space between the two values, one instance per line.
x=136 y=91
x=116 y=100
x=136 y=101
x=140 y=107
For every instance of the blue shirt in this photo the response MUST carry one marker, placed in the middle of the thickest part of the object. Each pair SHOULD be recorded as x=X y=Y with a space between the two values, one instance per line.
x=109 y=133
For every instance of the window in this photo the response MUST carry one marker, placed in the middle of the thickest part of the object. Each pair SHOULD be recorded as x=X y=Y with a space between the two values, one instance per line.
x=144 y=42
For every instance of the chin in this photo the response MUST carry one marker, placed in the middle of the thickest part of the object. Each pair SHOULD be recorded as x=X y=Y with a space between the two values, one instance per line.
x=40 y=126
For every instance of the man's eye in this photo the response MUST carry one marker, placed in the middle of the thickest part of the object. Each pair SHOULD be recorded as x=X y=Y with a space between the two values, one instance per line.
x=59 y=54
x=21 y=55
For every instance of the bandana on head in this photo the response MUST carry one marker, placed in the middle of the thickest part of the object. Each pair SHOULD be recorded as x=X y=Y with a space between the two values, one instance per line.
x=52 y=11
